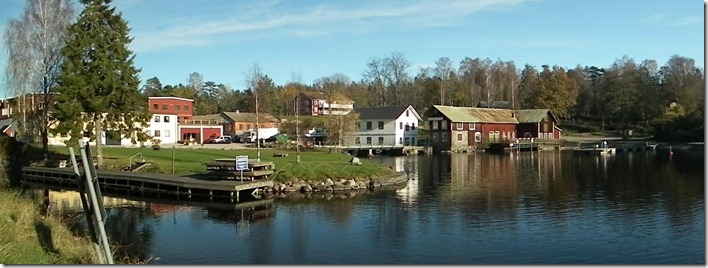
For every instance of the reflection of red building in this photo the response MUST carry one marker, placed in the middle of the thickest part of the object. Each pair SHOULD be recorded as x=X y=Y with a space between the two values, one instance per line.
x=161 y=209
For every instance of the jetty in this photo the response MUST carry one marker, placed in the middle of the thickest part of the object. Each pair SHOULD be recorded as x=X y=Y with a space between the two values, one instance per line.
x=187 y=186
x=227 y=168
x=611 y=147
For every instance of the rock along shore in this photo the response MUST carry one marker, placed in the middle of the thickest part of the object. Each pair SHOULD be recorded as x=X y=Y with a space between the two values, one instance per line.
x=329 y=185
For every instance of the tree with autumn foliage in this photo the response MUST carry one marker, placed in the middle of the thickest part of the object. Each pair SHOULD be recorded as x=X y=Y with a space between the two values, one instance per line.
x=553 y=89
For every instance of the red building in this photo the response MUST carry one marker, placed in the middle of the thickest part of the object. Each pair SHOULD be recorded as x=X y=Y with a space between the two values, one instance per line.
x=319 y=103
x=189 y=129
x=181 y=107
x=466 y=128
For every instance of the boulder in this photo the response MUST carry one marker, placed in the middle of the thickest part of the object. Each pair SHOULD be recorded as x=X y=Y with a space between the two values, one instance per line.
x=355 y=161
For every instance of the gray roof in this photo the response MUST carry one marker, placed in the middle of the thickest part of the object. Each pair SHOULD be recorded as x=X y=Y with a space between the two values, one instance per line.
x=533 y=115
x=387 y=112
x=492 y=115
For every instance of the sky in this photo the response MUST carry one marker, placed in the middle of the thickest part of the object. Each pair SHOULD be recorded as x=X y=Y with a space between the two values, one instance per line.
x=302 y=41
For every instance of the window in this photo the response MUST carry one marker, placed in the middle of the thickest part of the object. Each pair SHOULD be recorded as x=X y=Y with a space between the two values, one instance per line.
x=435 y=125
x=406 y=113
x=400 y=126
x=443 y=137
x=157 y=133
x=400 y=140
x=167 y=119
x=407 y=127
x=368 y=140
x=177 y=107
x=167 y=133
x=380 y=140
x=368 y=125
x=248 y=126
x=381 y=124
x=460 y=126
x=413 y=126
x=147 y=132
x=408 y=141
x=459 y=136
x=357 y=140
x=491 y=136
x=186 y=108
x=443 y=125
x=435 y=137
x=155 y=106
x=472 y=126
x=358 y=125
x=157 y=119
x=478 y=136
x=164 y=106
x=240 y=126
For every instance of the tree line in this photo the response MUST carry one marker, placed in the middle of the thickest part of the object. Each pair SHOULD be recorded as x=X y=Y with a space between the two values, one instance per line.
x=86 y=75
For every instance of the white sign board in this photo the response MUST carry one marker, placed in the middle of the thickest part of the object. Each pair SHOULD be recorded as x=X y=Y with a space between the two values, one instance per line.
x=241 y=163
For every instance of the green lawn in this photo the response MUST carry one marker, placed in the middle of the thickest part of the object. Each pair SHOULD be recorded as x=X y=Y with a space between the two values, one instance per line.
x=314 y=165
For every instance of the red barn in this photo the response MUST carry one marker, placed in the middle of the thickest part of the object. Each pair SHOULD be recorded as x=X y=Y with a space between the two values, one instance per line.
x=466 y=128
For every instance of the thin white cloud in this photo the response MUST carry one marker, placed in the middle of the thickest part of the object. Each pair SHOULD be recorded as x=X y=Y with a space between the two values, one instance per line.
x=663 y=19
x=653 y=18
x=686 y=21
x=322 y=19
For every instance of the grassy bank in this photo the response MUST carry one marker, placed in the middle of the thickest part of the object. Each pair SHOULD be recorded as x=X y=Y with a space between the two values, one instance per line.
x=26 y=237
x=314 y=165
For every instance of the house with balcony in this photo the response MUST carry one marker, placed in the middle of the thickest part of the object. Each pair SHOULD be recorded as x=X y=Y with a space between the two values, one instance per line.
x=392 y=126
x=316 y=103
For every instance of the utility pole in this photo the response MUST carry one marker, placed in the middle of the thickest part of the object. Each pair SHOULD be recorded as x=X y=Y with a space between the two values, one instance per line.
x=297 y=127
x=258 y=141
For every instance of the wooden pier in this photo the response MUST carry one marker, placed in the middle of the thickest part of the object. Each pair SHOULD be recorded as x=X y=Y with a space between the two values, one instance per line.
x=225 y=168
x=600 y=151
x=184 y=186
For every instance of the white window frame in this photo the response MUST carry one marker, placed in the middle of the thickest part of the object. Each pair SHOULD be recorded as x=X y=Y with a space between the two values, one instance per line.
x=472 y=126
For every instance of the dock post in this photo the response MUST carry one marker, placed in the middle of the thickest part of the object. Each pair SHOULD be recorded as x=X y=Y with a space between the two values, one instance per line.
x=237 y=196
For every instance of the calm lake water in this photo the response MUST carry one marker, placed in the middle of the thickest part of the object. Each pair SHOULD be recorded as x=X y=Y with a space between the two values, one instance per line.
x=526 y=208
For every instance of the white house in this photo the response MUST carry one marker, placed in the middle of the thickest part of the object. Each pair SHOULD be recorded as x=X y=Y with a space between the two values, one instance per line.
x=386 y=126
x=163 y=127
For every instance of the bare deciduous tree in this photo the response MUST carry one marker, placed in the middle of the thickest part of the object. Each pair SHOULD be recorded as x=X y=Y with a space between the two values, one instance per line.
x=33 y=43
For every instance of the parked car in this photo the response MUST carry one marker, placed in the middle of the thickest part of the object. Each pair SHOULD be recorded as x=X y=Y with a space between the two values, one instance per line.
x=222 y=139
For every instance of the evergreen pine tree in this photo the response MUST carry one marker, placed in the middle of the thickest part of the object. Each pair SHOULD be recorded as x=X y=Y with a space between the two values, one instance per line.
x=98 y=86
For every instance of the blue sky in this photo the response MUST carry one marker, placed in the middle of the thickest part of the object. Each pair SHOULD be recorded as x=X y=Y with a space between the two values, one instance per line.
x=222 y=39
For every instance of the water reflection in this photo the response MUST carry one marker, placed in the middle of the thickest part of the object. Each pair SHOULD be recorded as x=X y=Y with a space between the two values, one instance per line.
x=528 y=208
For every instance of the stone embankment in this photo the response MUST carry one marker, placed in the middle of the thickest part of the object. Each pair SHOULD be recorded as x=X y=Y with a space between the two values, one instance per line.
x=329 y=185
